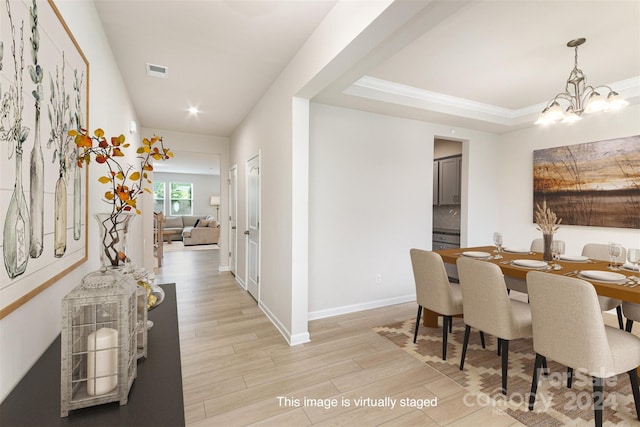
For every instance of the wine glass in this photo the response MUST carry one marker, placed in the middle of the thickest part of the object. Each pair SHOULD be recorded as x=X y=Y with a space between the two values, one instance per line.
x=633 y=256
x=557 y=249
x=615 y=250
x=497 y=240
x=610 y=249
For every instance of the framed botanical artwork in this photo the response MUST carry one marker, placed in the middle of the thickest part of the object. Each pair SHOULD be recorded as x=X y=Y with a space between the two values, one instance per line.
x=594 y=184
x=43 y=195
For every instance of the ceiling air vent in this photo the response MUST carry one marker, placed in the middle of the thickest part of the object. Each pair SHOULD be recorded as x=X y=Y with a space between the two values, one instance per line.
x=159 y=71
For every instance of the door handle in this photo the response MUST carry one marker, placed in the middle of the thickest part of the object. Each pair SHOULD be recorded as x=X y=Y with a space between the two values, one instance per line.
x=246 y=232
x=233 y=228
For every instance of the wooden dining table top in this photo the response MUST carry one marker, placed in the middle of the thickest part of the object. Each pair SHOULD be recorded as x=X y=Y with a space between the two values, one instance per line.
x=627 y=291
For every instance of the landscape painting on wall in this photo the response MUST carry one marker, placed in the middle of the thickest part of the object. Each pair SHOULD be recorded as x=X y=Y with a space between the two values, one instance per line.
x=593 y=184
x=44 y=93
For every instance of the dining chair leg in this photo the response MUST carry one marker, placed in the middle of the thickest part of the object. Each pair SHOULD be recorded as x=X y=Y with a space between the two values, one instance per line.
x=499 y=346
x=545 y=369
x=629 y=325
x=467 y=332
x=446 y=320
x=633 y=376
x=569 y=377
x=598 y=399
x=619 y=312
x=482 y=339
x=415 y=334
x=505 y=364
x=534 y=381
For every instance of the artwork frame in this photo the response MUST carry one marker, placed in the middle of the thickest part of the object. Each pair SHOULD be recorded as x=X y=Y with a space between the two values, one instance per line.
x=44 y=89
x=591 y=184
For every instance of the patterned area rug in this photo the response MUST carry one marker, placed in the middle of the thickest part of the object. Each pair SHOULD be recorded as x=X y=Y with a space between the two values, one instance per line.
x=556 y=405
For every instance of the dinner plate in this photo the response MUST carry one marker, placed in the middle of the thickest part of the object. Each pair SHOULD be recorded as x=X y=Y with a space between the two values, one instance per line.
x=602 y=276
x=574 y=258
x=516 y=250
x=529 y=263
x=629 y=266
x=474 y=254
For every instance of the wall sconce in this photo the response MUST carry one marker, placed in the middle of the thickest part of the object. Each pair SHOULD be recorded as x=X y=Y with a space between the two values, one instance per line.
x=215 y=201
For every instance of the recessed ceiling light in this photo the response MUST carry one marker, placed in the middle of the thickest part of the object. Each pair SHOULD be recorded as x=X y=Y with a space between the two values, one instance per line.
x=193 y=111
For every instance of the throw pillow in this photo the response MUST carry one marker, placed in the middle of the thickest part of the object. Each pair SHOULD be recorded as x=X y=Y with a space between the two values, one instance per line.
x=203 y=223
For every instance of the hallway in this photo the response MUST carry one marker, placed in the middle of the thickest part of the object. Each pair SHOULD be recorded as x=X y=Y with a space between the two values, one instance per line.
x=235 y=364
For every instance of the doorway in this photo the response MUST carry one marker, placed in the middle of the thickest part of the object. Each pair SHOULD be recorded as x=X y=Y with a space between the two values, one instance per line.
x=253 y=227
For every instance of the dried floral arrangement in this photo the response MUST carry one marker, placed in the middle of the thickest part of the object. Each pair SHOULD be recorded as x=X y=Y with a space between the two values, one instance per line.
x=548 y=222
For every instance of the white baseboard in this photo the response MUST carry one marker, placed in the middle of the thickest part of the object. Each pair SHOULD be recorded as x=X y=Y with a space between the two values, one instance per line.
x=330 y=312
x=291 y=339
x=224 y=268
x=241 y=283
x=276 y=322
x=299 y=339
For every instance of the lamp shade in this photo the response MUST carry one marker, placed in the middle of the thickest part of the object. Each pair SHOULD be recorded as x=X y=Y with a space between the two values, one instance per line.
x=215 y=201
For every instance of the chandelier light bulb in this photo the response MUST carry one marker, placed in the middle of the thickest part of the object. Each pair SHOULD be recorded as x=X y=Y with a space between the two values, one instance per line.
x=615 y=101
x=571 y=116
x=555 y=112
x=596 y=103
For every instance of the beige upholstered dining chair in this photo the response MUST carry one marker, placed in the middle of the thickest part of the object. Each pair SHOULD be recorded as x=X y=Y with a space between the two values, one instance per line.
x=434 y=292
x=600 y=350
x=486 y=306
x=600 y=251
x=632 y=313
x=537 y=245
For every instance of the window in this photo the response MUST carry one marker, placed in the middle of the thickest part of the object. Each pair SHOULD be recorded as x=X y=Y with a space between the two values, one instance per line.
x=158 y=196
x=181 y=198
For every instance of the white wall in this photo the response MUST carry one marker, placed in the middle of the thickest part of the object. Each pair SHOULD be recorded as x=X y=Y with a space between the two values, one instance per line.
x=29 y=330
x=516 y=177
x=370 y=201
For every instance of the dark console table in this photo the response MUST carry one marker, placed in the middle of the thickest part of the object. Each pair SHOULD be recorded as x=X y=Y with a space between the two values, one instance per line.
x=155 y=398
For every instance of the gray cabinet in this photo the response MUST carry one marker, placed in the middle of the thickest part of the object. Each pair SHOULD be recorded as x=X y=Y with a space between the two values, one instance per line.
x=448 y=179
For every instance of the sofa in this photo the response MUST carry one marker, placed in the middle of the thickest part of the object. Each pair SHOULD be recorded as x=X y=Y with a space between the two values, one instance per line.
x=191 y=229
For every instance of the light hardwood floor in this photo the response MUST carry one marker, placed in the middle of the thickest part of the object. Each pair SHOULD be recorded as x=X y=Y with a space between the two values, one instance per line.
x=237 y=369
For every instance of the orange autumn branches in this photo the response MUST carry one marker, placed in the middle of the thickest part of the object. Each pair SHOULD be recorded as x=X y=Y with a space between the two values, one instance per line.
x=126 y=182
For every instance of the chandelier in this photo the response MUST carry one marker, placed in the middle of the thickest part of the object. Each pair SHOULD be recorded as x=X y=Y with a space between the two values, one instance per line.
x=580 y=96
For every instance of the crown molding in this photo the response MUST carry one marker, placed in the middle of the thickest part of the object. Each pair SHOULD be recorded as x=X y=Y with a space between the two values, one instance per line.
x=397 y=93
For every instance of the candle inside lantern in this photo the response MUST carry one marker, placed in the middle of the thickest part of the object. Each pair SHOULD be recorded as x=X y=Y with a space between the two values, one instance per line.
x=102 y=361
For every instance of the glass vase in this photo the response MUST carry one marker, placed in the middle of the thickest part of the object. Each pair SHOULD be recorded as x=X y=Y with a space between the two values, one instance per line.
x=547 y=240
x=114 y=229
x=36 y=193
x=77 y=202
x=60 y=211
x=16 y=237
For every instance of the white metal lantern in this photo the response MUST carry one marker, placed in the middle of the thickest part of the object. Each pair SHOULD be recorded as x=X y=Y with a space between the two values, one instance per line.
x=142 y=321
x=99 y=341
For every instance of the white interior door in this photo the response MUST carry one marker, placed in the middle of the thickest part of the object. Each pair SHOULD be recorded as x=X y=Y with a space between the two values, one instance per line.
x=253 y=226
x=233 y=216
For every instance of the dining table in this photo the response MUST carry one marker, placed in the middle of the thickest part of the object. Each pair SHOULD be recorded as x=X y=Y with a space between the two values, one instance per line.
x=517 y=263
